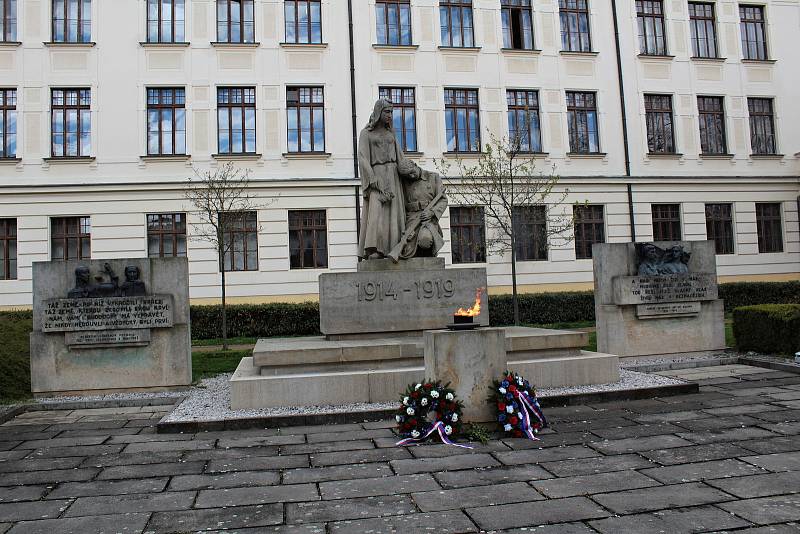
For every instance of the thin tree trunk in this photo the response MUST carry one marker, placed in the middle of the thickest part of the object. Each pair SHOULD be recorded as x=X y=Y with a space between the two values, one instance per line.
x=224 y=309
x=514 y=299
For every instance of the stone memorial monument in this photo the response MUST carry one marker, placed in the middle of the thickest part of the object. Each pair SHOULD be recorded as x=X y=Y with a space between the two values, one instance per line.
x=93 y=333
x=373 y=319
x=657 y=298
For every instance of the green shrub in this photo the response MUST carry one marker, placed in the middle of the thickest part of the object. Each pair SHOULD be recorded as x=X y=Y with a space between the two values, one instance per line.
x=15 y=368
x=737 y=294
x=543 y=308
x=257 y=320
x=767 y=328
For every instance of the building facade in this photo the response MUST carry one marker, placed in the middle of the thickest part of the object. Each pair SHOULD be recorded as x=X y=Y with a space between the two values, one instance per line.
x=673 y=119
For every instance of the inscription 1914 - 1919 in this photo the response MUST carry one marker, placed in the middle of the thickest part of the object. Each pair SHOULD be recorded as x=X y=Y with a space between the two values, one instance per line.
x=419 y=289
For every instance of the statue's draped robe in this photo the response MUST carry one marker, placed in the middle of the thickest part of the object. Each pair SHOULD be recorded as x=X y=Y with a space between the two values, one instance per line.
x=382 y=224
x=418 y=196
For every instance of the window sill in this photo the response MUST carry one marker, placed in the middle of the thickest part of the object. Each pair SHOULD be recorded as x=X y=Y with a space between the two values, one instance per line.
x=664 y=155
x=306 y=155
x=304 y=46
x=9 y=161
x=766 y=156
x=657 y=56
x=533 y=154
x=521 y=51
x=177 y=44
x=586 y=155
x=232 y=157
x=473 y=49
x=759 y=61
x=70 y=159
x=219 y=44
x=709 y=59
x=414 y=154
x=716 y=156
x=394 y=47
x=463 y=155
x=577 y=53
x=69 y=45
x=10 y=44
x=165 y=157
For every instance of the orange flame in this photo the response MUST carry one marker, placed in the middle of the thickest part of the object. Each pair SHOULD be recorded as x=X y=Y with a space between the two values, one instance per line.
x=475 y=310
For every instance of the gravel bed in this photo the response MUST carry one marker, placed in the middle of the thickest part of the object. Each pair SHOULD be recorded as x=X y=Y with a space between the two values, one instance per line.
x=628 y=380
x=711 y=357
x=112 y=397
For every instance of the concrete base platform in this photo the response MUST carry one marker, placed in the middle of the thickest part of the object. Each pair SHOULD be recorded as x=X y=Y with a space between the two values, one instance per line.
x=315 y=371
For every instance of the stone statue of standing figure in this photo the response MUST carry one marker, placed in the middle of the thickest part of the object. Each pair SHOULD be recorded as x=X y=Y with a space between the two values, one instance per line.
x=402 y=203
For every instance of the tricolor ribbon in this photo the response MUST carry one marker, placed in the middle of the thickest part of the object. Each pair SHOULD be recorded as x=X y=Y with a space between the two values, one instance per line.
x=533 y=405
x=437 y=426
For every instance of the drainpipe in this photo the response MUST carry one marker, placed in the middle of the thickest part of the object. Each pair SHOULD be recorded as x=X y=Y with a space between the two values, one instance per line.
x=624 y=119
x=353 y=109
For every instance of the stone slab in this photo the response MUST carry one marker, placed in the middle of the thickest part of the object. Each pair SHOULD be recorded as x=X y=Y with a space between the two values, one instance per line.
x=536 y=513
x=660 y=497
x=661 y=289
x=397 y=301
x=468 y=360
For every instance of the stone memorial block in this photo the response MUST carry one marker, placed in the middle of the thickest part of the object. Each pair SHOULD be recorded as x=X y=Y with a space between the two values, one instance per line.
x=657 y=298
x=96 y=331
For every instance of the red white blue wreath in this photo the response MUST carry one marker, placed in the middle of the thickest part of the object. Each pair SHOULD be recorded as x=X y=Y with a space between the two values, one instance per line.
x=427 y=408
x=518 y=411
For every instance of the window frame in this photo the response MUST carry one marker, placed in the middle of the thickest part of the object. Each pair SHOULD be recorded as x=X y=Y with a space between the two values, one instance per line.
x=518 y=111
x=720 y=227
x=566 y=13
x=175 y=23
x=229 y=24
x=656 y=123
x=757 y=120
x=704 y=119
x=176 y=231
x=446 y=10
x=160 y=107
x=8 y=110
x=84 y=222
x=769 y=228
x=592 y=224
x=576 y=127
x=400 y=25
x=296 y=223
x=81 y=18
x=296 y=106
x=666 y=219
x=9 y=234
x=10 y=21
x=229 y=240
x=297 y=24
x=244 y=106
x=404 y=107
x=745 y=22
x=79 y=107
x=657 y=22
x=451 y=109
x=507 y=10
x=530 y=232
x=708 y=21
x=473 y=230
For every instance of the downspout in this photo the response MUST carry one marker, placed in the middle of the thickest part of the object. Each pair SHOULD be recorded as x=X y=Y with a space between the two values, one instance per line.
x=353 y=109
x=621 y=84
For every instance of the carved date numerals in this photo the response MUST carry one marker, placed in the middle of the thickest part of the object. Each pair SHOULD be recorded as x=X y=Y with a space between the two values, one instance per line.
x=426 y=289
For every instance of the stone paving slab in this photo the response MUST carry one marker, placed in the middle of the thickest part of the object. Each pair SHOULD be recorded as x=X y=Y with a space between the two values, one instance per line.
x=723 y=459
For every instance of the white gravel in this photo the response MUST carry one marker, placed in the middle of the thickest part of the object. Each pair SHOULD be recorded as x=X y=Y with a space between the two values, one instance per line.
x=628 y=380
x=114 y=397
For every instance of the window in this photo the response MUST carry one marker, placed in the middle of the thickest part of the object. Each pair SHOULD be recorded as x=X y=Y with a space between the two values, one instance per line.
x=574 y=15
x=8 y=249
x=72 y=21
x=305 y=119
x=666 y=222
x=652 y=37
x=754 y=33
x=235 y=21
x=303 y=21
x=455 y=17
x=517 y=24
x=236 y=120
x=70 y=238
x=589 y=229
x=704 y=33
x=584 y=137
x=712 y=124
x=658 y=116
x=166 y=121
x=240 y=240
x=523 y=119
x=530 y=232
x=71 y=122
x=308 y=239
x=393 y=22
x=467 y=234
x=462 y=120
x=8 y=20
x=404 y=115
x=8 y=123
x=762 y=126
x=719 y=227
x=166 y=235
x=165 y=21
x=768 y=226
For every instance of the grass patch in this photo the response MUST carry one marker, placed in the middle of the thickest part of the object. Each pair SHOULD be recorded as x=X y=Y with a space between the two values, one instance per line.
x=218 y=341
x=208 y=364
x=15 y=357
x=730 y=340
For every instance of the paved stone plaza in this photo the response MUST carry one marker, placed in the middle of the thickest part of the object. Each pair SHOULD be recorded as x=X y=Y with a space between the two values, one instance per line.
x=726 y=459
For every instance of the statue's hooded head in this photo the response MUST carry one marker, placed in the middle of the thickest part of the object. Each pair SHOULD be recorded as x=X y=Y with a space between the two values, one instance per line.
x=381 y=105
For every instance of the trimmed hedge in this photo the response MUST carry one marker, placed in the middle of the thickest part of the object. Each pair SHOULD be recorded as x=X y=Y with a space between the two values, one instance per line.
x=737 y=294
x=768 y=328
x=257 y=320
x=542 y=308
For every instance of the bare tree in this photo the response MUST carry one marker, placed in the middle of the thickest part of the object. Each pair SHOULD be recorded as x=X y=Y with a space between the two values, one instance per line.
x=504 y=181
x=221 y=199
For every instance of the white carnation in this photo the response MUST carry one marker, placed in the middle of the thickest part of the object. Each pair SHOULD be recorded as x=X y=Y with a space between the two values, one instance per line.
x=448 y=430
x=454 y=418
x=417 y=386
x=502 y=391
x=424 y=401
x=415 y=433
x=435 y=394
x=405 y=401
x=449 y=396
x=520 y=382
x=410 y=411
x=507 y=428
x=510 y=409
x=398 y=418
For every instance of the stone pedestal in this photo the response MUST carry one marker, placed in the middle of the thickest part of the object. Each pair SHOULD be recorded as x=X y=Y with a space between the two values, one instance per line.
x=469 y=360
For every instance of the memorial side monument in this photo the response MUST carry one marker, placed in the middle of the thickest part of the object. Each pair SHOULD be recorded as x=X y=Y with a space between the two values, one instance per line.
x=657 y=298
x=94 y=331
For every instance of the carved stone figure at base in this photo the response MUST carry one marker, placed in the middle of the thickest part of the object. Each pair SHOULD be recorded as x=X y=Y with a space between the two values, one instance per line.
x=132 y=287
x=82 y=285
